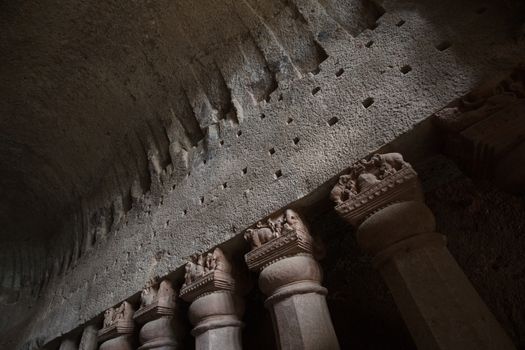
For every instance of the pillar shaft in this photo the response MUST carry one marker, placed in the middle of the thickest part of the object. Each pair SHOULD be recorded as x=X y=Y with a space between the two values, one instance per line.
x=68 y=344
x=441 y=308
x=437 y=301
x=89 y=338
x=291 y=279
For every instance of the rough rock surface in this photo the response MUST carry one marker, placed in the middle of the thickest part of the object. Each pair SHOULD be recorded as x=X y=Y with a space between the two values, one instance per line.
x=137 y=133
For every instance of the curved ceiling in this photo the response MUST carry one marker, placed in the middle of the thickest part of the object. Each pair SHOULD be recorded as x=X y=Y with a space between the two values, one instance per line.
x=98 y=97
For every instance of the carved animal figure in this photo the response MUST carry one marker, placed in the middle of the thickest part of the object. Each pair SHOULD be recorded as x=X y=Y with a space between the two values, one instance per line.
x=341 y=192
x=259 y=235
x=366 y=173
x=366 y=180
x=203 y=264
x=293 y=222
x=390 y=162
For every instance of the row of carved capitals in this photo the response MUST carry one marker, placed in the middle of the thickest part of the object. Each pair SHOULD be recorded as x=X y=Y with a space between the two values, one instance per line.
x=368 y=186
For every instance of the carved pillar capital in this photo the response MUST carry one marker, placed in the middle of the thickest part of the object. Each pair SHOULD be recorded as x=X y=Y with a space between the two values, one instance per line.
x=381 y=196
x=291 y=279
x=371 y=185
x=484 y=131
x=216 y=310
x=157 y=315
x=118 y=328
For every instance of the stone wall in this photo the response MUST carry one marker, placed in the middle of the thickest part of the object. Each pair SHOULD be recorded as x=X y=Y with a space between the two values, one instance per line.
x=194 y=120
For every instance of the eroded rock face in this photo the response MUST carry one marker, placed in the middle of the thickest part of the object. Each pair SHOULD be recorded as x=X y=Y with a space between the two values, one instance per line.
x=134 y=133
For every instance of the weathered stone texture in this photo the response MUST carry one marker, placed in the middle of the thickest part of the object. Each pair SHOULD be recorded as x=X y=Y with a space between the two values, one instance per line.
x=137 y=133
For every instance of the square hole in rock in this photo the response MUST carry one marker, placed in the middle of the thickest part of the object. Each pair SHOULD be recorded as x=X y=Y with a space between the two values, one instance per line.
x=332 y=121
x=370 y=43
x=295 y=140
x=367 y=102
x=289 y=120
x=271 y=151
x=244 y=171
x=405 y=69
x=278 y=174
x=339 y=72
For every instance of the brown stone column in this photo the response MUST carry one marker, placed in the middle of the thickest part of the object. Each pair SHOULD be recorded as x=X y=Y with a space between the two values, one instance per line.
x=383 y=199
x=89 y=338
x=215 y=309
x=291 y=279
x=68 y=344
x=118 y=330
x=160 y=325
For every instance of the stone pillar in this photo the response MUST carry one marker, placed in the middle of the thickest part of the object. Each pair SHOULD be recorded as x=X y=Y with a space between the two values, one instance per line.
x=68 y=344
x=216 y=310
x=118 y=330
x=156 y=314
x=291 y=279
x=383 y=199
x=89 y=338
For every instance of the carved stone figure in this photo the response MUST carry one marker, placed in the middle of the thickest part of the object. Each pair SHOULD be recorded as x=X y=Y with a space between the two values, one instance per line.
x=366 y=173
x=220 y=263
x=274 y=227
x=149 y=293
x=109 y=317
x=260 y=235
x=189 y=273
x=211 y=262
x=118 y=328
x=203 y=264
x=483 y=102
x=120 y=312
x=199 y=269
x=484 y=132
